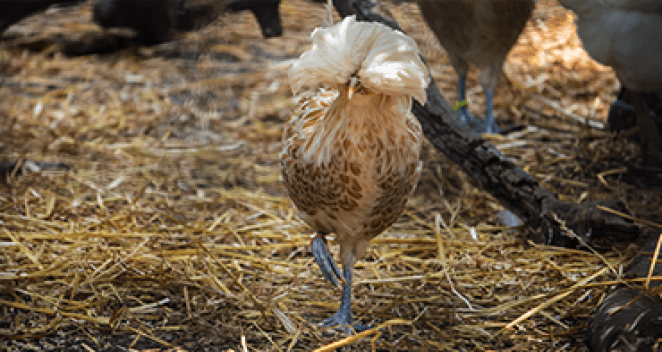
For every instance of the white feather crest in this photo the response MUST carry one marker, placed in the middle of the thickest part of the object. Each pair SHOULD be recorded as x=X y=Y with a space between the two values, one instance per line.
x=384 y=60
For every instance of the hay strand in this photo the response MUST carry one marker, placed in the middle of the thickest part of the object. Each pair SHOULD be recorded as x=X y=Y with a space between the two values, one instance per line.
x=143 y=208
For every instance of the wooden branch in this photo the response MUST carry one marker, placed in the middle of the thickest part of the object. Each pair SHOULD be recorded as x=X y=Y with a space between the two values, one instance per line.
x=516 y=190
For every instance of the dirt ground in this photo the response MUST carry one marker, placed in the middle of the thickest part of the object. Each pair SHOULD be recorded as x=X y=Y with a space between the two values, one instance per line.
x=159 y=222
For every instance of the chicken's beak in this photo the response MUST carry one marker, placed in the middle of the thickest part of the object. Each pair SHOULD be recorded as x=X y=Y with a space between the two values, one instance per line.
x=351 y=91
x=353 y=87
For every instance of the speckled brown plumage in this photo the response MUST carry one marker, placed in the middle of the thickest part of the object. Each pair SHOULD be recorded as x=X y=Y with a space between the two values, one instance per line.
x=349 y=175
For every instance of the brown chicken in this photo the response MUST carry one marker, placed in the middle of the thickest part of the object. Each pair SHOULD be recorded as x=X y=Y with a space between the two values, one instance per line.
x=350 y=159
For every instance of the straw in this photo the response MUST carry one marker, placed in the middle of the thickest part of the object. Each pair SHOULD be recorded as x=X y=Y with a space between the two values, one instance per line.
x=169 y=228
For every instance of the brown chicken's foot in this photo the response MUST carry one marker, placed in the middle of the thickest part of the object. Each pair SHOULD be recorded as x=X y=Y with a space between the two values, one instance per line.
x=324 y=259
x=343 y=321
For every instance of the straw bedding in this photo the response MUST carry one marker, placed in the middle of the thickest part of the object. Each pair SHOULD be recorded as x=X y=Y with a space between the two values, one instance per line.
x=158 y=219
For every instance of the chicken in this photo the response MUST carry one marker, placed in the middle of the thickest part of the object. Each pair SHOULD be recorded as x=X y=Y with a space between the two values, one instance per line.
x=14 y=11
x=153 y=20
x=627 y=320
x=478 y=32
x=627 y=35
x=265 y=11
x=156 y=21
x=350 y=157
x=195 y=14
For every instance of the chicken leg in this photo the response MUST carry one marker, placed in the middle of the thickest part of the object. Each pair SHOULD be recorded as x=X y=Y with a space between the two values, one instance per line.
x=465 y=116
x=330 y=271
x=488 y=124
x=651 y=142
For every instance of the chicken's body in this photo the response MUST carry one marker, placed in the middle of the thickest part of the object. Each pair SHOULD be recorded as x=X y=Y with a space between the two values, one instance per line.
x=479 y=33
x=350 y=174
x=350 y=158
x=627 y=35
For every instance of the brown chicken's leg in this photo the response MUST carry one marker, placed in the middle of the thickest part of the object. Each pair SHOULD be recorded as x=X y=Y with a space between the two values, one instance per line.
x=324 y=259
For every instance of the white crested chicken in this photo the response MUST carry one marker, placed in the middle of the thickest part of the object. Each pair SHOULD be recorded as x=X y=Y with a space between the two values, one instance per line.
x=627 y=35
x=479 y=33
x=350 y=158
